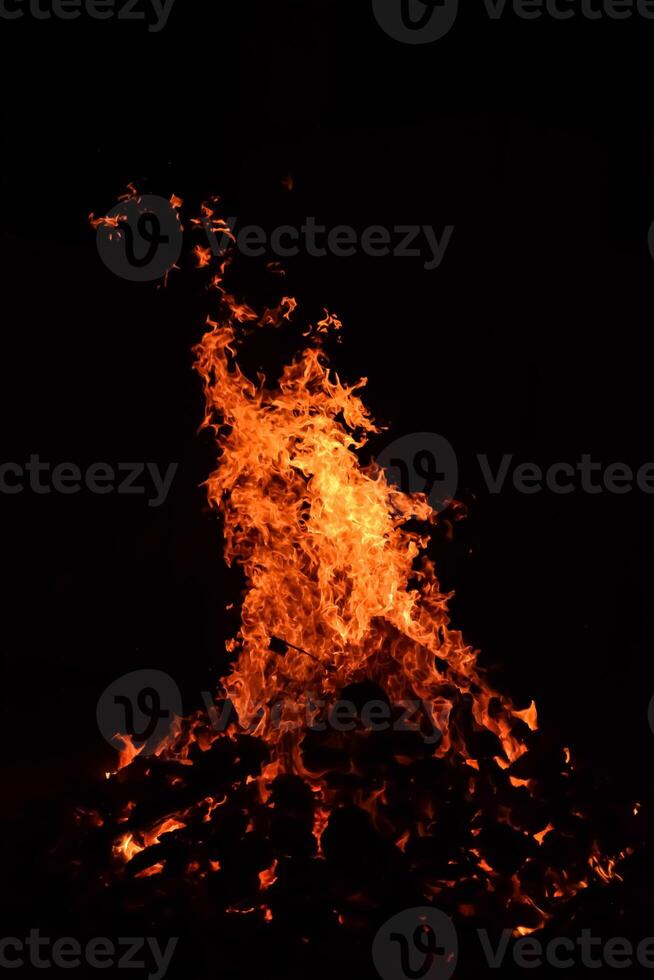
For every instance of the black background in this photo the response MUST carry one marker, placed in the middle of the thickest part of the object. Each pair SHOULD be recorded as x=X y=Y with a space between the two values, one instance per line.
x=533 y=138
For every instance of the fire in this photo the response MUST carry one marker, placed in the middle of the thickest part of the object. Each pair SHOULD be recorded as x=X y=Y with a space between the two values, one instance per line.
x=542 y=834
x=529 y=716
x=203 y=256
x=325 y=551
x=339 y=590
x=154 y=869
x=128 y=752
x=128 y=845
x=268 y=877
x=605 y=867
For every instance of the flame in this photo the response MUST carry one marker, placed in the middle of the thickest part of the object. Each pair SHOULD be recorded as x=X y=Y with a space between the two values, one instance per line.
x=268 y=877
x=325 y=551
x=128 y=845
x=131 y=192
x=542 y=834
x=154 y=869
x=516 y=781
x=106 y=221
x=605 y=867
x=339 y=588
x=529 y=716
x=203 y=256
x=128 y=752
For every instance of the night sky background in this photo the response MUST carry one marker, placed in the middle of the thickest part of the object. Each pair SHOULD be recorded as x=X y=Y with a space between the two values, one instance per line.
x=534 y=139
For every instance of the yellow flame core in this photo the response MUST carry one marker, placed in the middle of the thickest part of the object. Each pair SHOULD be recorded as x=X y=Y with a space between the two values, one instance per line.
x=322 y=541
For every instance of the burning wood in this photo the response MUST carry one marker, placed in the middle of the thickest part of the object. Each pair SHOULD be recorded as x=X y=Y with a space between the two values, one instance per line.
x=341 y=602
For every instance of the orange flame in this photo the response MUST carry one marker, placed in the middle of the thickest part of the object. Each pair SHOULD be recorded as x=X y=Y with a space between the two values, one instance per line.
x=325 y=551
x=338 y=587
